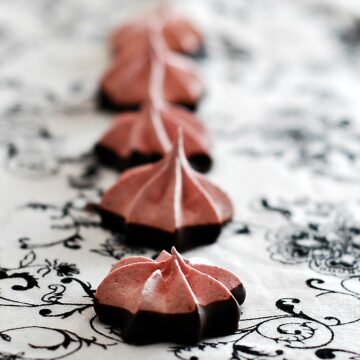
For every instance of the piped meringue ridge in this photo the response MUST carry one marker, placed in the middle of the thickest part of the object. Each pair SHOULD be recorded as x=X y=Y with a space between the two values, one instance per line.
x=169 y=299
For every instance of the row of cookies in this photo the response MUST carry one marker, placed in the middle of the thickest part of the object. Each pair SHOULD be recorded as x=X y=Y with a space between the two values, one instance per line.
x=163 y=200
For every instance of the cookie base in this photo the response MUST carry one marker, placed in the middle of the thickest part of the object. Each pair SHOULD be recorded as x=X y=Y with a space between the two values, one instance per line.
x=104 y=102
x=217 y=319
x=184 y=238
x=108 y=157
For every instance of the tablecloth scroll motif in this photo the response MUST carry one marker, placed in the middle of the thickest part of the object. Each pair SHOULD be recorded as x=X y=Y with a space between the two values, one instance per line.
x=282 y=101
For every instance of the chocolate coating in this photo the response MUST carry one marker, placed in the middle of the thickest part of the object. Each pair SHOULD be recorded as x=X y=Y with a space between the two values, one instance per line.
x=104 y=102
x=169 y=299
x=200 y=54
x=219 y=319
x=108 y=157
x=184 y=238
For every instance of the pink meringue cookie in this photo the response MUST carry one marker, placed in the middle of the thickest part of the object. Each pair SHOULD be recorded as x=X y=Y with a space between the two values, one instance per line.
x=169 y=299
x=166 y=203
x=146 y=136
x=130 y=78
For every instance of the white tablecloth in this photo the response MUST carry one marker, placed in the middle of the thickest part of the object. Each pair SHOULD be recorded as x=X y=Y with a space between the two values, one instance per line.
x=283 y=85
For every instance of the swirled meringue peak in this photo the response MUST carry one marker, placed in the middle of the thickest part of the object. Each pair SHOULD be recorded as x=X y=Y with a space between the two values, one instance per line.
x=169 y=299
x=166 y=203
x=179 y=33
x=130 y=78
x=146 y=136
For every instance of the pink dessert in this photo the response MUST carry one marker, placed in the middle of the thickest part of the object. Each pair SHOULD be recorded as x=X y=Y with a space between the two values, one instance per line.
x=169 y=299
x=146 y=136
x=179 y=33
x=128 y=81
x=166 y=203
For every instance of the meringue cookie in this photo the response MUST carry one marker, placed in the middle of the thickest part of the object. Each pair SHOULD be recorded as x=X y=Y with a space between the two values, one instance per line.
x=166 y=203
x=169 y=299
x=146 y=136
x=129 y=80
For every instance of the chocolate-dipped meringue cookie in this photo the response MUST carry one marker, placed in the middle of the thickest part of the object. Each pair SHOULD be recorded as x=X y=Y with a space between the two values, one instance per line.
x=179 y=33
x=128 y=82
x=169 y=299
x=146 y=136
x=166 y=203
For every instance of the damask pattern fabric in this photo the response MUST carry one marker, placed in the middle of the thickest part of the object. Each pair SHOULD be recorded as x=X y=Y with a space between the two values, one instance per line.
x=283 y=85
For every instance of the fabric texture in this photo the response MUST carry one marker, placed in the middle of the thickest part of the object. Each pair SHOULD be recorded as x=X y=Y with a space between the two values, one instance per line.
x=283 y=85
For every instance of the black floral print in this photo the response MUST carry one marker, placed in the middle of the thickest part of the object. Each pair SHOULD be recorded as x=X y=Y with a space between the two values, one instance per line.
x=322 y=234
x=282 y=99
x=65 y=269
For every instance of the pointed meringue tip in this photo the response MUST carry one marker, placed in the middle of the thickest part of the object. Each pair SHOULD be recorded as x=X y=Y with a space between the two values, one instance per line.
x=174 y=251
x=177 y=152
x=176 y=255
x=181 y=261
x=178 y=144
